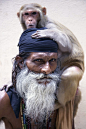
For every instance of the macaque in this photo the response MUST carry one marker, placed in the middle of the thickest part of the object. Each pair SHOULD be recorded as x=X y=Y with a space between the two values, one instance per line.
x=34 y=16
x=70 y=55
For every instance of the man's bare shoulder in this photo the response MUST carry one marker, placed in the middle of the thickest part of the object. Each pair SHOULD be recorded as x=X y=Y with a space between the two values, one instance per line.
x=4 y=102
x=7 y=114
x=4 y=99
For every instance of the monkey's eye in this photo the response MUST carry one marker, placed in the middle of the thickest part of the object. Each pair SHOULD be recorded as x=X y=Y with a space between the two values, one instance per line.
x=26 y=14
x=34 y=13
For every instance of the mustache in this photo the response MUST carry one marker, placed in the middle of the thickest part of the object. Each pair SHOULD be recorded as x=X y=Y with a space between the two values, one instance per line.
x=40 y=76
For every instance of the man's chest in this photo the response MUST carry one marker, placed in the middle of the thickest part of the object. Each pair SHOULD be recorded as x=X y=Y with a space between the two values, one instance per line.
x=47 y=123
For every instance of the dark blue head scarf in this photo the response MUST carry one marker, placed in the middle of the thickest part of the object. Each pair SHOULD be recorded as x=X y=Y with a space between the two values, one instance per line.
x=28 y=44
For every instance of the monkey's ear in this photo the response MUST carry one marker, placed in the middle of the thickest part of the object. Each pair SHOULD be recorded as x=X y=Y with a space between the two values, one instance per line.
x=44 y=10
x=18 y=14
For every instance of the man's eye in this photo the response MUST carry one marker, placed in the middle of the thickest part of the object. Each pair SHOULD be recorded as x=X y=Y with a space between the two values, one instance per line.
x=34 y=13
x=38 y=60
x=53 y=60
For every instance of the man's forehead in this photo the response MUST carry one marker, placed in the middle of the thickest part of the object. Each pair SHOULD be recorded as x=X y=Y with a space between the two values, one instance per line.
x=43 y=54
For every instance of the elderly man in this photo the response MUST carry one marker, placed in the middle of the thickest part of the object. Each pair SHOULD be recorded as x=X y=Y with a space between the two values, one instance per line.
x=34 y=104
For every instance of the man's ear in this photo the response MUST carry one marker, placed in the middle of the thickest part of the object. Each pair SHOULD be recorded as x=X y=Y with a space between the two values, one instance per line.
x=44 y=10
x=19 y=61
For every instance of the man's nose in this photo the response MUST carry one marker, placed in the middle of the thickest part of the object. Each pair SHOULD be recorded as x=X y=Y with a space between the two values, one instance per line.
x=46 y=68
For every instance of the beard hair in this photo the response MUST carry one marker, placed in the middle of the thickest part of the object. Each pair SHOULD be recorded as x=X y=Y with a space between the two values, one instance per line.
x=39 y=98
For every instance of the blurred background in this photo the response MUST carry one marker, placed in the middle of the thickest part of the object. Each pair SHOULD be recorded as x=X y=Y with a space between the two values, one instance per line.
x=71 y=13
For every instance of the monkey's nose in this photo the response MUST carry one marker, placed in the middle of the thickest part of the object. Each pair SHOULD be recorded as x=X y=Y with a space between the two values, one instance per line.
x=30 y=19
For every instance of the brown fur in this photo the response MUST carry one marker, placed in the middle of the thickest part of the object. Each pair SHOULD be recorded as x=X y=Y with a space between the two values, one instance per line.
x=77 y=101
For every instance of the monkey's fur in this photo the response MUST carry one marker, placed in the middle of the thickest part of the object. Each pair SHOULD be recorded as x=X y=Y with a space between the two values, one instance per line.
x=71 y=54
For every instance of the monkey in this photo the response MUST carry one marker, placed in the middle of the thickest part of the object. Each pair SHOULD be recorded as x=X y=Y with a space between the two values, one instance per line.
x=70 y=55
x=37 y=20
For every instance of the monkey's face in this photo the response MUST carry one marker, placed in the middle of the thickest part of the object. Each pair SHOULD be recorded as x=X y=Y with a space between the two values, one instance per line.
x=30 y=18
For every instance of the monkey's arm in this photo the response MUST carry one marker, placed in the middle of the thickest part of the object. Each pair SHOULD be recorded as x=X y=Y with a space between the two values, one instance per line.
x=58 y=36
x=6 y=87
x=68 y=85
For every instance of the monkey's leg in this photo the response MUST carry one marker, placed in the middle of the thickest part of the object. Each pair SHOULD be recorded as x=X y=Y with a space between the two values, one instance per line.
x=76 y=101
x=68 y=84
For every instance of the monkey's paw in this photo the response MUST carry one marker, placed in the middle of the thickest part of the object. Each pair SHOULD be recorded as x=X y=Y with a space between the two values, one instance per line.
x=39 y=34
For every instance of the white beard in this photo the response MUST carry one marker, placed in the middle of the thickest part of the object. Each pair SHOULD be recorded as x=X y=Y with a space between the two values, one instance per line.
x=39 y=98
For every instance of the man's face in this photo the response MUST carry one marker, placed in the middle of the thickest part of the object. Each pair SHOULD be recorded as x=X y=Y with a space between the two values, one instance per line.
x=42 y=62
x=37 y=84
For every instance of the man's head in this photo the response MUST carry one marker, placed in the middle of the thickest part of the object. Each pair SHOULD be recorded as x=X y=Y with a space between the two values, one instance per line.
x=36 y=81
